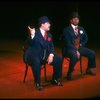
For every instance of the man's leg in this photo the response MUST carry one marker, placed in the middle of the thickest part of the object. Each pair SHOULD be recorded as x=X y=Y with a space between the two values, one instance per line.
x=57 y=70
x=90 y=54
x=73 y=60
x=36 y=69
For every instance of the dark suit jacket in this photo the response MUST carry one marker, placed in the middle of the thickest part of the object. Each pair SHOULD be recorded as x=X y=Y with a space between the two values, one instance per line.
x=37 y=46
x=69 y=38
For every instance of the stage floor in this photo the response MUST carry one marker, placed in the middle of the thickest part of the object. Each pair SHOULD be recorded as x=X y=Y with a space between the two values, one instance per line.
x=12 y=70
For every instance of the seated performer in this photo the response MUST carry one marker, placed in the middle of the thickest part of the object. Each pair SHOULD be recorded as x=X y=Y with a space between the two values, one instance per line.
x=41 y=50
x=75 y=38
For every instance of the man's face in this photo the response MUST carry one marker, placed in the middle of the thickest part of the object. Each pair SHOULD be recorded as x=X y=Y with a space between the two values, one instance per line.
x=46 y=26
x=75 y=21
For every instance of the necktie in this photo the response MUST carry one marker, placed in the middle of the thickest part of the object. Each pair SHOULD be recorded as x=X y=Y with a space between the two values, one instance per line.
x=76 y=30
x=45 y=35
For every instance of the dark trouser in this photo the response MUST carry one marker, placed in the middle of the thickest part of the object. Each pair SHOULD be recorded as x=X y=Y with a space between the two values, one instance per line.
x=36 y=68
x=90 y=54
x=57 y=69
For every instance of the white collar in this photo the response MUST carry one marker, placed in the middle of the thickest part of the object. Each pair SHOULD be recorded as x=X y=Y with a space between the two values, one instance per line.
x=73 y=26
x=42 y=31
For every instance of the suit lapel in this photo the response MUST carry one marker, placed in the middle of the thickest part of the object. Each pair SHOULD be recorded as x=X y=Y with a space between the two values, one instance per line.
x=79 y=30
x=40 y=38
x=71 y=30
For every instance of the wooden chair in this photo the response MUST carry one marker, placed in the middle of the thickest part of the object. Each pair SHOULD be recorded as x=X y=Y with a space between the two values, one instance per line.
x=27 y=65
x=64 y=57
x=26 y=70
x=79 y=60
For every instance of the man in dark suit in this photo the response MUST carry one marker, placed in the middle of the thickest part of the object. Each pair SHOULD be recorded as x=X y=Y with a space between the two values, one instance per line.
x=75 y=39
x=41 y=49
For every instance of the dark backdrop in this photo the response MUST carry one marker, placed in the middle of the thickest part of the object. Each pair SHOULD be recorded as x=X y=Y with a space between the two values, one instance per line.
x=15 y=16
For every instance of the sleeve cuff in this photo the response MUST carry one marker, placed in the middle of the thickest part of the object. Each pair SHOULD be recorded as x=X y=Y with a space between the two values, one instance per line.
x=32 y=36
x=52 y=54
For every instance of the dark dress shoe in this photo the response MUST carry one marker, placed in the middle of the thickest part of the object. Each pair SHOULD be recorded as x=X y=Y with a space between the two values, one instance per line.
x=56 y=82
x=39 y=87
x=90 y=73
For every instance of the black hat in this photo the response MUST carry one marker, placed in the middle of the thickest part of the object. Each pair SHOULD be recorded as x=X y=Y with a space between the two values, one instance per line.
x=43 y=19
x=74 y=15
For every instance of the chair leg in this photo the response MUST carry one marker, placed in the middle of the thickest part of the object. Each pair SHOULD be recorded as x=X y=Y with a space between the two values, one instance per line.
x=25 y=73
x=81 y=65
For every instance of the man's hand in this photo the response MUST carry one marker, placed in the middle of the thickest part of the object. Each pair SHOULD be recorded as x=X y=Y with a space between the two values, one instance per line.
x=50 y=59
x=78 y=54
x=32 y=31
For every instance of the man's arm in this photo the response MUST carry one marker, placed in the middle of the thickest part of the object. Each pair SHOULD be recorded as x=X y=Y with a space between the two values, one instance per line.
x=51 y=45
x=68 y=40
x=31 y=32
x=51 y=51
x=51 y=48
